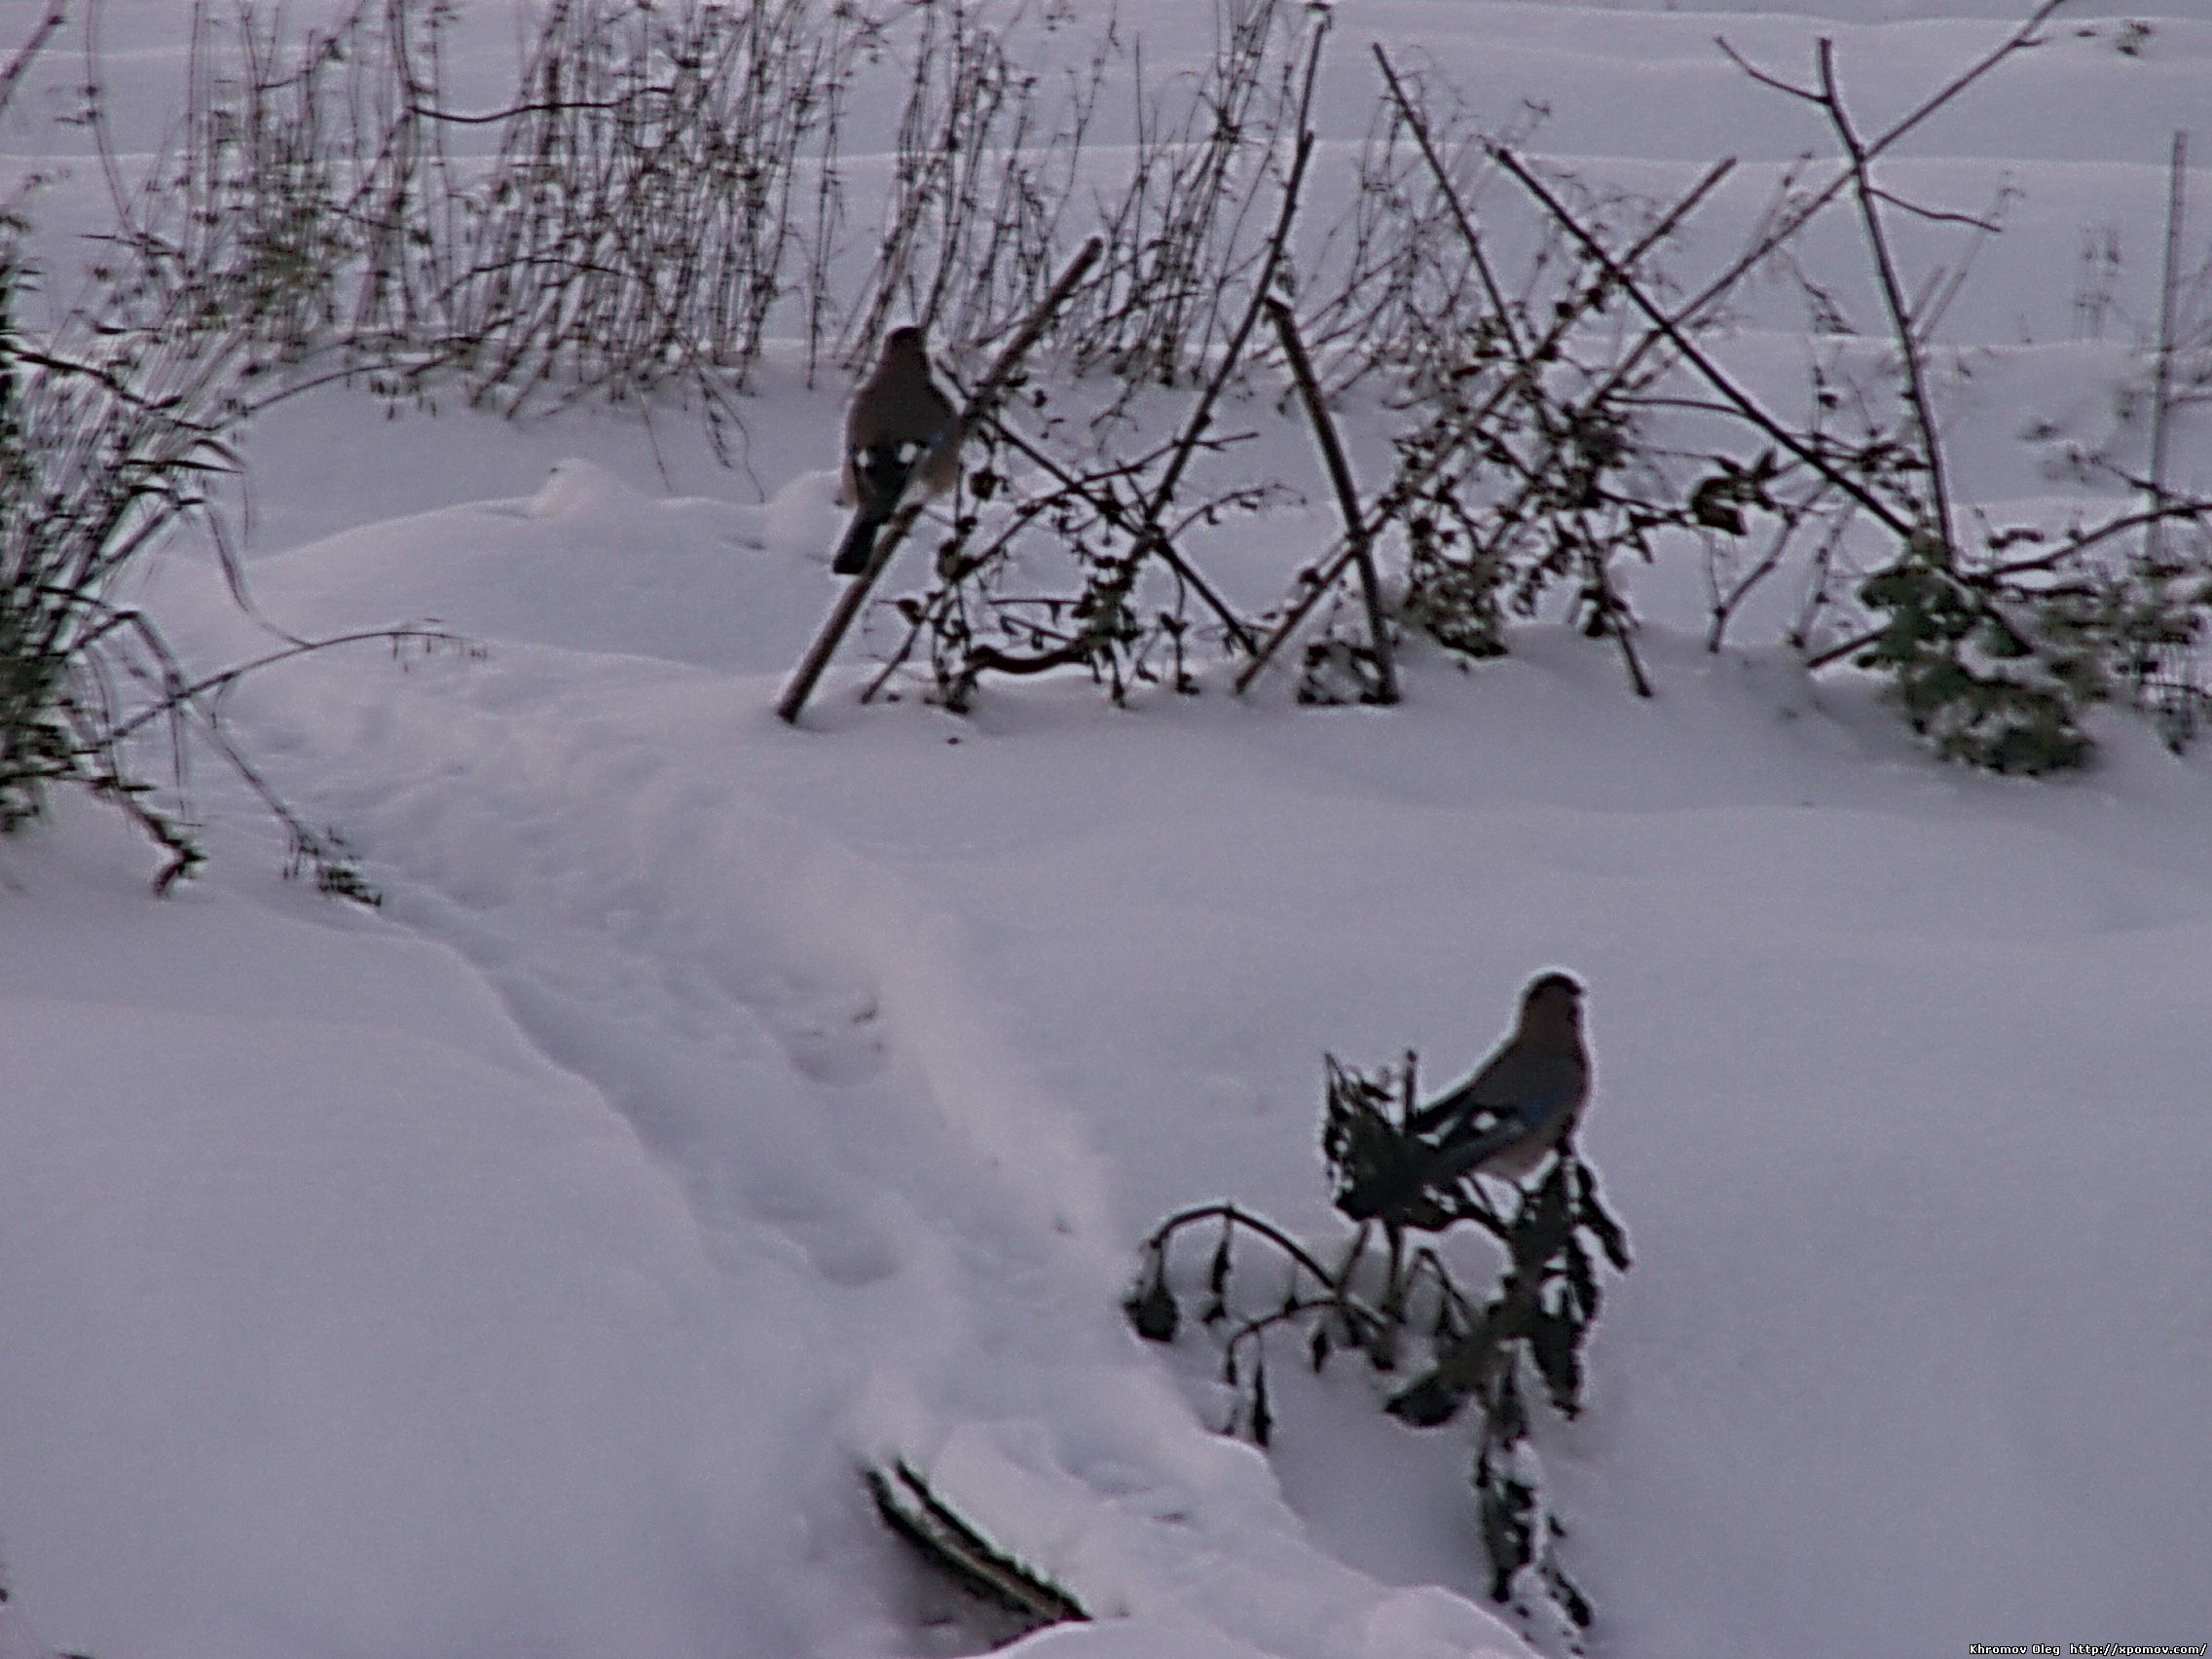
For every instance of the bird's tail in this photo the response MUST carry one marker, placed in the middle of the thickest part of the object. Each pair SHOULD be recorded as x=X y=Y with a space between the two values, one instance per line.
x=1424 y=1168
x=859 y=543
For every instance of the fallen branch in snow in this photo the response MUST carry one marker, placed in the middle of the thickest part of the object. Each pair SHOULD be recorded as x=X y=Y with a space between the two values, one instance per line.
x=917 y=1513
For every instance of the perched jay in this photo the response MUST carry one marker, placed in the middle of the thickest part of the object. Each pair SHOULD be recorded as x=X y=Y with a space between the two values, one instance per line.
x=1505 y=1119
x=899 y=431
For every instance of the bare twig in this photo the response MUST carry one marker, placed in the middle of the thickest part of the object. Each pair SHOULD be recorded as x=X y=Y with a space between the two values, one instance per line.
x=1611 y=612
x=1672 y=329
x=1725 y=604
x=1901 y=324
x=27 y=53
x=1786 y=225
x=1113 y=512
x=2161 y=397
x=1319 y=578
x=1476 y=251
x=1764 y=77
x=1200 y=414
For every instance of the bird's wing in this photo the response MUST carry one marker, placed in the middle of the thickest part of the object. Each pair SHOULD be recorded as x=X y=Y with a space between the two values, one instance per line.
x=1518 y=1094
x=1516 y=1083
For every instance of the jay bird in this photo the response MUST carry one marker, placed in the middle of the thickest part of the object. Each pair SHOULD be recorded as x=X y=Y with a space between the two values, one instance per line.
x=899 y=431
x=1504 y=1119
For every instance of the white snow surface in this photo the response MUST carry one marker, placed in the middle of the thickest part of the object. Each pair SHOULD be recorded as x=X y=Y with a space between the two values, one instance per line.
x=528 y=1267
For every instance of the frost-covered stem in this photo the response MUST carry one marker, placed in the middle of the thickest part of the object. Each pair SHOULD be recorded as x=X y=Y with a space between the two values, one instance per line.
x=1359 y=533
x=976 y=408
x=1892 y=299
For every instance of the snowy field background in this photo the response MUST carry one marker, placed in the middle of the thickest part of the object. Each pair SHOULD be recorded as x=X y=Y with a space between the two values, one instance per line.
x=526 y=1267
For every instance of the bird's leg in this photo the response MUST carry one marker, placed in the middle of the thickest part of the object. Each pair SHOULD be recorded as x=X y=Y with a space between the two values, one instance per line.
x=1386 y=1349
x=1340 y=1288
x=1486 y=1212
x=1342 y=1283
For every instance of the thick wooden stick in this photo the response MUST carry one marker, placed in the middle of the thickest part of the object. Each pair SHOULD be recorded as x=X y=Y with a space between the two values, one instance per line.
x=1358 y=533
x=976 y=409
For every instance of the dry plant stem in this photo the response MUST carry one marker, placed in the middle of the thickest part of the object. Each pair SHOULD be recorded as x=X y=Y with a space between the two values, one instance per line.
x=1109 y=509
x=1360 y=534
x=1097 y=494
x=1236 y=1215
x=1320 y=578
x=1893 y=300
x=2162 y=399
x=1670 y=327
x=1492 y=290
x=976 y=409
x=1201 y=414
x=1615 y=619
x=1789 y=224
x=1725 y=604
x=27 y=53
x=185 y=693
x=1614 y=614
x=1819 y=595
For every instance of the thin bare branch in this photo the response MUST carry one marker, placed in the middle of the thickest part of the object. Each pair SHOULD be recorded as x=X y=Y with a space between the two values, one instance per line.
x=27 y=54
x=1671 y=328
x=1901 y=324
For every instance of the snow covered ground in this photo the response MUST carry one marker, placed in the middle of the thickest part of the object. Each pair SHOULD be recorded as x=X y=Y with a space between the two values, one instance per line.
x=526 y=1267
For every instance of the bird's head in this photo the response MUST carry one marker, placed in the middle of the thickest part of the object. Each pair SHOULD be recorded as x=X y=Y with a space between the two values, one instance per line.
x=1551 y=1008
x=906 y=341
